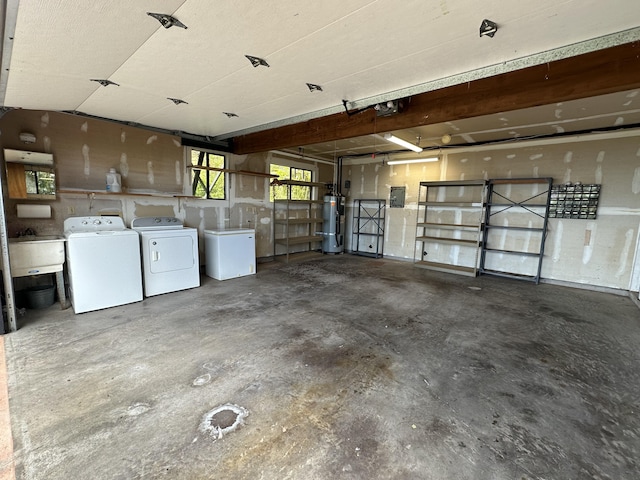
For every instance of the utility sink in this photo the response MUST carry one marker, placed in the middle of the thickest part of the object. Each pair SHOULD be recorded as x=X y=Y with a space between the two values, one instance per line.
x=33 y=255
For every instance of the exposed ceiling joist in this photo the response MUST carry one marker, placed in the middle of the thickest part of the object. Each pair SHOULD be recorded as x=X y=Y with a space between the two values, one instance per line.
x=596 y=73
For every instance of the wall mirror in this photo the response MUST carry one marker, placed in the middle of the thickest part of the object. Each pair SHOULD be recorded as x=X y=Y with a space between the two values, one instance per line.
x=30 y=175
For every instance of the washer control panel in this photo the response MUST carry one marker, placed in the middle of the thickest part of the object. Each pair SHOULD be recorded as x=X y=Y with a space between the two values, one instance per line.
x=93 y=224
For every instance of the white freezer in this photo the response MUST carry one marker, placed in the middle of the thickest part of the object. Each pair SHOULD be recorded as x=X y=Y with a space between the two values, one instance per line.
x=230 y=253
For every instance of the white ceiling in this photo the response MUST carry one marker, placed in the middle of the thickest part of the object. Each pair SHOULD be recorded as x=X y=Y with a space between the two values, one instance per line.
x=354 y=49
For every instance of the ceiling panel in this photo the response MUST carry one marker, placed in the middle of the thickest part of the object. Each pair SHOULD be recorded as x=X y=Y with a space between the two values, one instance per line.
x=354 y=49
x=59 y=46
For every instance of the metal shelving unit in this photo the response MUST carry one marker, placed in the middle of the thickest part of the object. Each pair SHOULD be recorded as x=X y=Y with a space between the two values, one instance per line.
x=297 y=222
x=515 y=225
x=368 y=227
x=449 y=226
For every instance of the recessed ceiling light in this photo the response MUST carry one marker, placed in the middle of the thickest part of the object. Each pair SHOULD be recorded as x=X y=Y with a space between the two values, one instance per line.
x=104 y=82
x=314 y=88
x=257 y=61
x=230 y=115
x=177 y=101
x=167 y=21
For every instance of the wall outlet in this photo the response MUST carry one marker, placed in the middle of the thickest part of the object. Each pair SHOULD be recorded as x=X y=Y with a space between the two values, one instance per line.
x=71 y=210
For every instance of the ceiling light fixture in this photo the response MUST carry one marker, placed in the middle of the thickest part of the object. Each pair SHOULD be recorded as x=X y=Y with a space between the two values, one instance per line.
x=413 y=160
x=104 y=82
x=177 y=101
x=167 y=21
x=488 y=28
x=313 y=87
x=257 y=61
x=402 y=143
x=26 y=137
x=387 y=108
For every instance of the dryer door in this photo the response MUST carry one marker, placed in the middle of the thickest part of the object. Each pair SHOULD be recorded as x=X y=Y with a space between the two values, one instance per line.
x=170 y=253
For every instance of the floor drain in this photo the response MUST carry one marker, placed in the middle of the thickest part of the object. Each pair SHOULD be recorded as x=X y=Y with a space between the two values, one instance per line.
x=222 y=420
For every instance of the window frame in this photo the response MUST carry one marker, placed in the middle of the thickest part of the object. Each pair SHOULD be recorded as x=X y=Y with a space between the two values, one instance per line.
x=293 y=165
x=190 y=183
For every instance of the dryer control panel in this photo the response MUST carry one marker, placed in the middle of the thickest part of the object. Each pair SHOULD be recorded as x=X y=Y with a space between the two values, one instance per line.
x=156 y=223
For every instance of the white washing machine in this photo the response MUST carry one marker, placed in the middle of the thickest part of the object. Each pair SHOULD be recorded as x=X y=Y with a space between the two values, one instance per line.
x=170 y=259
x=103 y=263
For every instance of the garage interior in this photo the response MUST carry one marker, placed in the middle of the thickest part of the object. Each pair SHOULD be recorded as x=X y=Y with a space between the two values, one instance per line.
x=349 y=364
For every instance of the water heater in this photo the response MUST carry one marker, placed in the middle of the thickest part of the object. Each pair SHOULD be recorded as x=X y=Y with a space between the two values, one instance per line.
x=333 y=224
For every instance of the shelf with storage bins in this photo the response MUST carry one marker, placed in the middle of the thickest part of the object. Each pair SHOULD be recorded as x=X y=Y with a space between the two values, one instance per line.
x=368 y=227
x=449 y=226
x=297 y=221
x=515 y=227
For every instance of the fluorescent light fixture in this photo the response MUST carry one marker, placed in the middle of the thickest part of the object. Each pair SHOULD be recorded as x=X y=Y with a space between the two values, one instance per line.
x=402 y=143
x=413 y=160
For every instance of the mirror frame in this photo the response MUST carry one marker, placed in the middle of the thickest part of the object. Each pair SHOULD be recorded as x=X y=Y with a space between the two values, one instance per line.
x=17 y=164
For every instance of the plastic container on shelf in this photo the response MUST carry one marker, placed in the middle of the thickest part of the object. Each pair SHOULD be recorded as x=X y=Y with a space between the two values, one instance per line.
x=114 y=181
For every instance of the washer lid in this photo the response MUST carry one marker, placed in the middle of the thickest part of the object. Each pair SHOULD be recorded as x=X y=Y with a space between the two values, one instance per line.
x=156 y=223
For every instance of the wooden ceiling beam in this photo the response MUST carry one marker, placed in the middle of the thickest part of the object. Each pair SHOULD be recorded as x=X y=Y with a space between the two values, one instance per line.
x=604 y=71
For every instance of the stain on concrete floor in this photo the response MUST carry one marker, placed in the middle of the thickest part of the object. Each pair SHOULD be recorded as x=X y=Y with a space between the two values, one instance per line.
x=350 y=368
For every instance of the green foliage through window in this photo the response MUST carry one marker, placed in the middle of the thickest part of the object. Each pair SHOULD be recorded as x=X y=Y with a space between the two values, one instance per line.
x=207 y=183
x=298 y=192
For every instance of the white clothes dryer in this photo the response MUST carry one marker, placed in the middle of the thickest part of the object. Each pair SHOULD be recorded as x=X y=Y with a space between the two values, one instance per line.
x=170 y=260
x=103 y=263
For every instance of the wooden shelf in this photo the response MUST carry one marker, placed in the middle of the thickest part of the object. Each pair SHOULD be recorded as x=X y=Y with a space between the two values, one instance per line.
x=297 y=201
x=298 y=221
x=299 y=240
x=303 y=228
x=230 y=170
x=64 y=191
x=299 y=183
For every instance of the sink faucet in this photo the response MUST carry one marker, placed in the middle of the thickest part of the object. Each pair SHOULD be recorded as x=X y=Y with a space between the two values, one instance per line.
x=27 y=231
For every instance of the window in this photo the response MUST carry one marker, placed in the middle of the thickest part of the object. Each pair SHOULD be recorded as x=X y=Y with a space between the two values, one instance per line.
x=40 y=181
x=207 y=183
x=298 y=192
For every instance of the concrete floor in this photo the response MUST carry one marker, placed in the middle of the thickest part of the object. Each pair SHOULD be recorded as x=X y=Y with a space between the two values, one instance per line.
x=348 y=367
